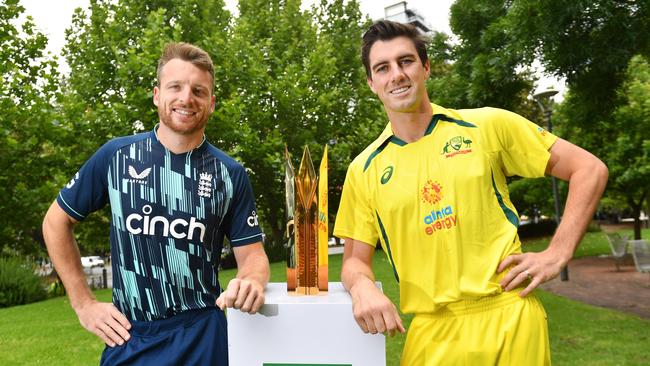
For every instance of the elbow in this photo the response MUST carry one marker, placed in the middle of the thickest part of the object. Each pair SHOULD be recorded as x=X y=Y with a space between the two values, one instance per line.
x=47 y=222
x=602 y=172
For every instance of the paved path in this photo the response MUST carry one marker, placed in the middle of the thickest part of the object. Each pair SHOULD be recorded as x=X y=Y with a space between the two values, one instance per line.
x=335 y=249
x=592 y=280
x=595 y=281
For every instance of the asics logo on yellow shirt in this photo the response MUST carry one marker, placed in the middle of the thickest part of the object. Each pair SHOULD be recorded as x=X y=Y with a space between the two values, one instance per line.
x=388 y=172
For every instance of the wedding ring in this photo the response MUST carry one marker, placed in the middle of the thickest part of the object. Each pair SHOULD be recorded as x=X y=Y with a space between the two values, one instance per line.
x=530 y=277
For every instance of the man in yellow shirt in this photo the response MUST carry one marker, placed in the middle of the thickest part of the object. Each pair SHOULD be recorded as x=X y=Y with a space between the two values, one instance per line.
x=432 y=190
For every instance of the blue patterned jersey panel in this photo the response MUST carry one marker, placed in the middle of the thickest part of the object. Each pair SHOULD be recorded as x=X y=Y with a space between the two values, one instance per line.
x=170 y=215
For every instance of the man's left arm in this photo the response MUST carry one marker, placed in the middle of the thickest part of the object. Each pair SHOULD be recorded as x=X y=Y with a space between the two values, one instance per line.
x=246 y=291
x=587 y=177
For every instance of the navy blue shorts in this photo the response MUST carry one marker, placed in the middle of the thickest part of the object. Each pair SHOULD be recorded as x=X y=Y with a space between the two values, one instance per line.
x=194 y=337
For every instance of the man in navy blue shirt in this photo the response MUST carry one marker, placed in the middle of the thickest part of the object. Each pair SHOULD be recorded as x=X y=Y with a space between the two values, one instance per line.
x=174 y=198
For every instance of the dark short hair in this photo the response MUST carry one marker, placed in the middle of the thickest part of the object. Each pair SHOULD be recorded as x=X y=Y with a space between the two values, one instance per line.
x=385 y=30
x=186 y=52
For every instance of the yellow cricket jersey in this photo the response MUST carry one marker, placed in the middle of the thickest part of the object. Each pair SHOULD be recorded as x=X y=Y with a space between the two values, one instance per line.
x=440 y=206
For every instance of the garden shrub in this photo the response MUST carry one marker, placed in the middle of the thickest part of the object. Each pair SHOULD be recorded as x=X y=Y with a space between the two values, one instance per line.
x=542 y=228
x=18 y=283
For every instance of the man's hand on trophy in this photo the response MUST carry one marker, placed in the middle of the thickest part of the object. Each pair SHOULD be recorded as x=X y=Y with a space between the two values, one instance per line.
x=245 y=295
x=373 y=311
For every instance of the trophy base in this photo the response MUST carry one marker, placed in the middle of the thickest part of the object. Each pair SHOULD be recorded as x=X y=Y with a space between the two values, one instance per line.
x=291 y=279
x=304 y=290
x=322 y=277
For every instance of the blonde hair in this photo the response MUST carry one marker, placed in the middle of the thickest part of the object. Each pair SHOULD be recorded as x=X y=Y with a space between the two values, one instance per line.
x=186 y=52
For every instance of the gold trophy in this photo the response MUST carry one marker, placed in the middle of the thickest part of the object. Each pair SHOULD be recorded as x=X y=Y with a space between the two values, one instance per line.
x=307 y=225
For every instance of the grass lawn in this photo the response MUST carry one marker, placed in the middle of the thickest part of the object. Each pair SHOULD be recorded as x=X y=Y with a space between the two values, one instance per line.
x=48 y=332
x=592 y=244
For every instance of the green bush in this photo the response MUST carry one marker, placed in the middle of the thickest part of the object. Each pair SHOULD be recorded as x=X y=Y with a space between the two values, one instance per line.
x=18 y=283
x=593 y=227
x=545 y=227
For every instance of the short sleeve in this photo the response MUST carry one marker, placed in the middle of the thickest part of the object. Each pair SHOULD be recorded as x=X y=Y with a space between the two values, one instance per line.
x=524 y=145
x=356 y=219
x=87 y=191
x=242 y=223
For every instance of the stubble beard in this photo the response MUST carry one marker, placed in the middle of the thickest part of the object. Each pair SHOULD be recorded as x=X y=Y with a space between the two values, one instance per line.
x=182 y=128
x=409 y=104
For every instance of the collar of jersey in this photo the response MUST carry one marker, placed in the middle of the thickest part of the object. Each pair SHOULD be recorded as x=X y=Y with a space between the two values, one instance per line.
x=154 y=133
x=387 y=134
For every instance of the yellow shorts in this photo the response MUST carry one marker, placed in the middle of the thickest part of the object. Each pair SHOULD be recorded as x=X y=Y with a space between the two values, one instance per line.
x=497 y=330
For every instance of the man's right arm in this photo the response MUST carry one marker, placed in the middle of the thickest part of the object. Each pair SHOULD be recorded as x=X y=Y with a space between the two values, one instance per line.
x=372 y=310
x=102 y=319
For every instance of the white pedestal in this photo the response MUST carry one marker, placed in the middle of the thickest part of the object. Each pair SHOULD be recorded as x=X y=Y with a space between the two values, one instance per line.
x=302 y=330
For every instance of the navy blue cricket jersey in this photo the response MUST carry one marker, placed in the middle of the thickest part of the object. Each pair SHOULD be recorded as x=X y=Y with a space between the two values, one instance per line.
x=170 y=213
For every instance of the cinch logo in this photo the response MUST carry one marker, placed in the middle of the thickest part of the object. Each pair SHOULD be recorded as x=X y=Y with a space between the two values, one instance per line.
x=138 y=177
x=457 y=145
x=437 y=220
x=72 y=181
x=431 y=192
x=252 y=220
x=388 y=172
x=137 y=224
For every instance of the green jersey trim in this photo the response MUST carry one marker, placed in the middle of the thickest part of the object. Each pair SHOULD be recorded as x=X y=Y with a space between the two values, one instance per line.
x=510 y=215
x=453 y=120
x=397 y=141
x=375 y=153
x=432 y=124
x=390 y=254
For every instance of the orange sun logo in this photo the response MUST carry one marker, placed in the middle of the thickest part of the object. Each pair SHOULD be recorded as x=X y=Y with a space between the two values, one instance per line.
x=431 y=192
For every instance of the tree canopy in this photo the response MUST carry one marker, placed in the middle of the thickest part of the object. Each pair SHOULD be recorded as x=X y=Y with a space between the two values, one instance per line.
x=283 y=75
x=288 y=75
x=28 y=124
x=628 y=153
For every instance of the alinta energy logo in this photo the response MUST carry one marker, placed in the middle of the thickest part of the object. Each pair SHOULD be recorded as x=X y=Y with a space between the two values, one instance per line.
x=441 y=217
x=456 y=146
x=387 y=174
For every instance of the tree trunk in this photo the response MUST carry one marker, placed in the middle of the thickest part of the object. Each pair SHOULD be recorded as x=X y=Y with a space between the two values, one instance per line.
x=636 y=212
x=647 y=212
x=637 y=225
x=275 y=241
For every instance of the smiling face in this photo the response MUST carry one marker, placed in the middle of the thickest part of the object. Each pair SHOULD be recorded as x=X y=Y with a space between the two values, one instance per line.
x=398 y=75
x=184 y=98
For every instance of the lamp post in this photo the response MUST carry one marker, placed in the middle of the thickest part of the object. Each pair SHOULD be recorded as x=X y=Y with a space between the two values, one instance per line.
x=545 y=102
